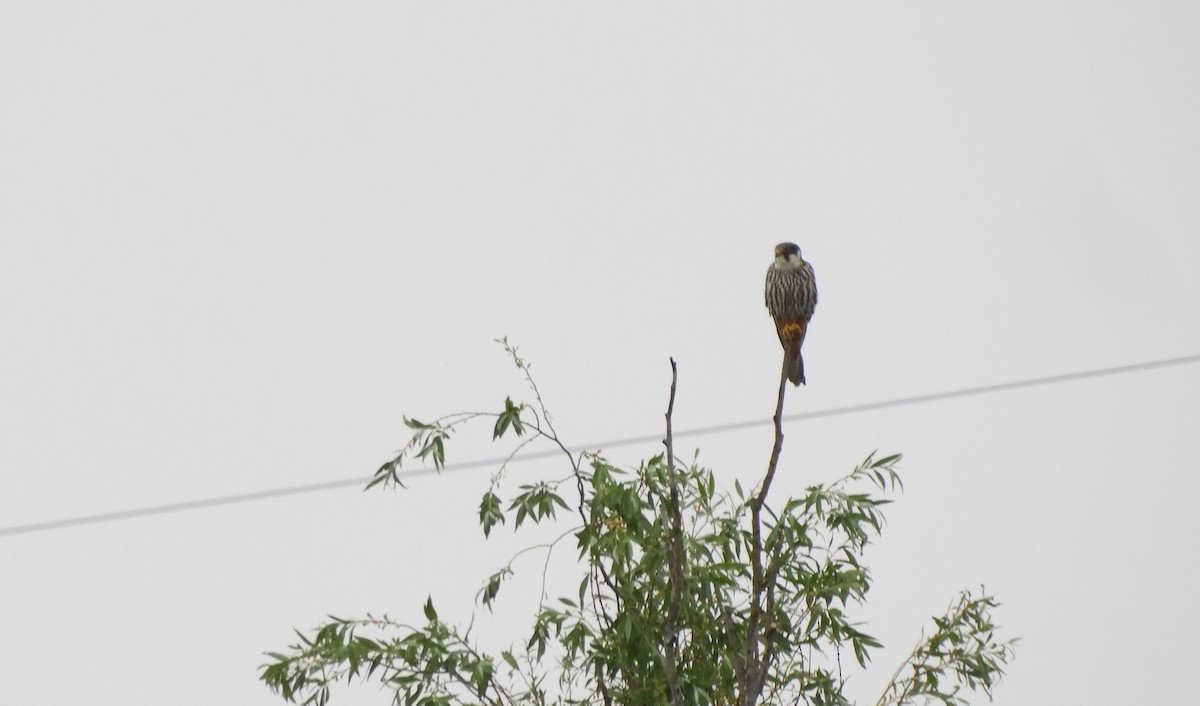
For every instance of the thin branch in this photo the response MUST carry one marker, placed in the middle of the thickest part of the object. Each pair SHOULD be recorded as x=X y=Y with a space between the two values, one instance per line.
x=495 y=684
x=508 y=459
x=761 y=498
x=754 y=668
x=599 y=575
x=603 y=686
x=582 y=507
x=674 y=550
x=902 y=684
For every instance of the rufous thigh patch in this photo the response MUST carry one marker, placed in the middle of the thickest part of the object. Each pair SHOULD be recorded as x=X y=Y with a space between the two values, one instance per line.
x=792 y=330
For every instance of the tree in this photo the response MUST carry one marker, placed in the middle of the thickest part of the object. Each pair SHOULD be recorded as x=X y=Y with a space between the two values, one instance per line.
x=687 y=595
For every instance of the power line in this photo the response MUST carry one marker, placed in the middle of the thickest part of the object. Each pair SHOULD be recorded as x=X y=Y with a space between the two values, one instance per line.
x=628 y=441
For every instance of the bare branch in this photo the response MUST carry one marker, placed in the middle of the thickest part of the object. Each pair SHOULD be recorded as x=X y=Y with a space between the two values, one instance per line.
x=761 y=498
x=754 y=666
x=674 y=549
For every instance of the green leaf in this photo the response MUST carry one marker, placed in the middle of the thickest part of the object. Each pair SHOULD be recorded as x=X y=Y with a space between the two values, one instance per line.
x=492 y=589
x=490 y=513
x=430 y=613
x=439 y=453
x=510 y=417
x=509 y=659
x=481 y=674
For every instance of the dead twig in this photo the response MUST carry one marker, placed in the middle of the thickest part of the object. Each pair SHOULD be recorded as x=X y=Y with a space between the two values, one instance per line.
x=674 y=551
x=755 y=667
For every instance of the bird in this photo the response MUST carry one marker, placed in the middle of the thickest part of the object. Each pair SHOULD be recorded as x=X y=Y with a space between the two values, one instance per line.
x=791 y=298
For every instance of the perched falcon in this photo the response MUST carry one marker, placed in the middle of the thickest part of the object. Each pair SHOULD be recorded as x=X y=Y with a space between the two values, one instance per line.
x=791 y=298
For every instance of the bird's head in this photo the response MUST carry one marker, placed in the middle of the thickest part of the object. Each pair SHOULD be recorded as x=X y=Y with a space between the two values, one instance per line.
x=787 y=255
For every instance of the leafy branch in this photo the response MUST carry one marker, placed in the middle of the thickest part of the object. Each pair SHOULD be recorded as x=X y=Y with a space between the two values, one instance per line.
x=962 y=651
x=688 y=594
x=424 y=666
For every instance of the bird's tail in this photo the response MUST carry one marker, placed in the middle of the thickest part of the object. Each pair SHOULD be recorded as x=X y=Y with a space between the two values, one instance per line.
x=794 y=362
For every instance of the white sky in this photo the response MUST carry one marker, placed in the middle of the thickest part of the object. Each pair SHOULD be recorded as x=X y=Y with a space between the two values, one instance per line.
x=238 y=240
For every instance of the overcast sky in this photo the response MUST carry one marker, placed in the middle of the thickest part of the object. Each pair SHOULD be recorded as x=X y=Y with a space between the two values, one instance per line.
x=239 y=240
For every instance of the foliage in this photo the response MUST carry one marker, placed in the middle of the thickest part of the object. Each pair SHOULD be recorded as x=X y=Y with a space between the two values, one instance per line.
x=963 y=646
x=688 y=595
